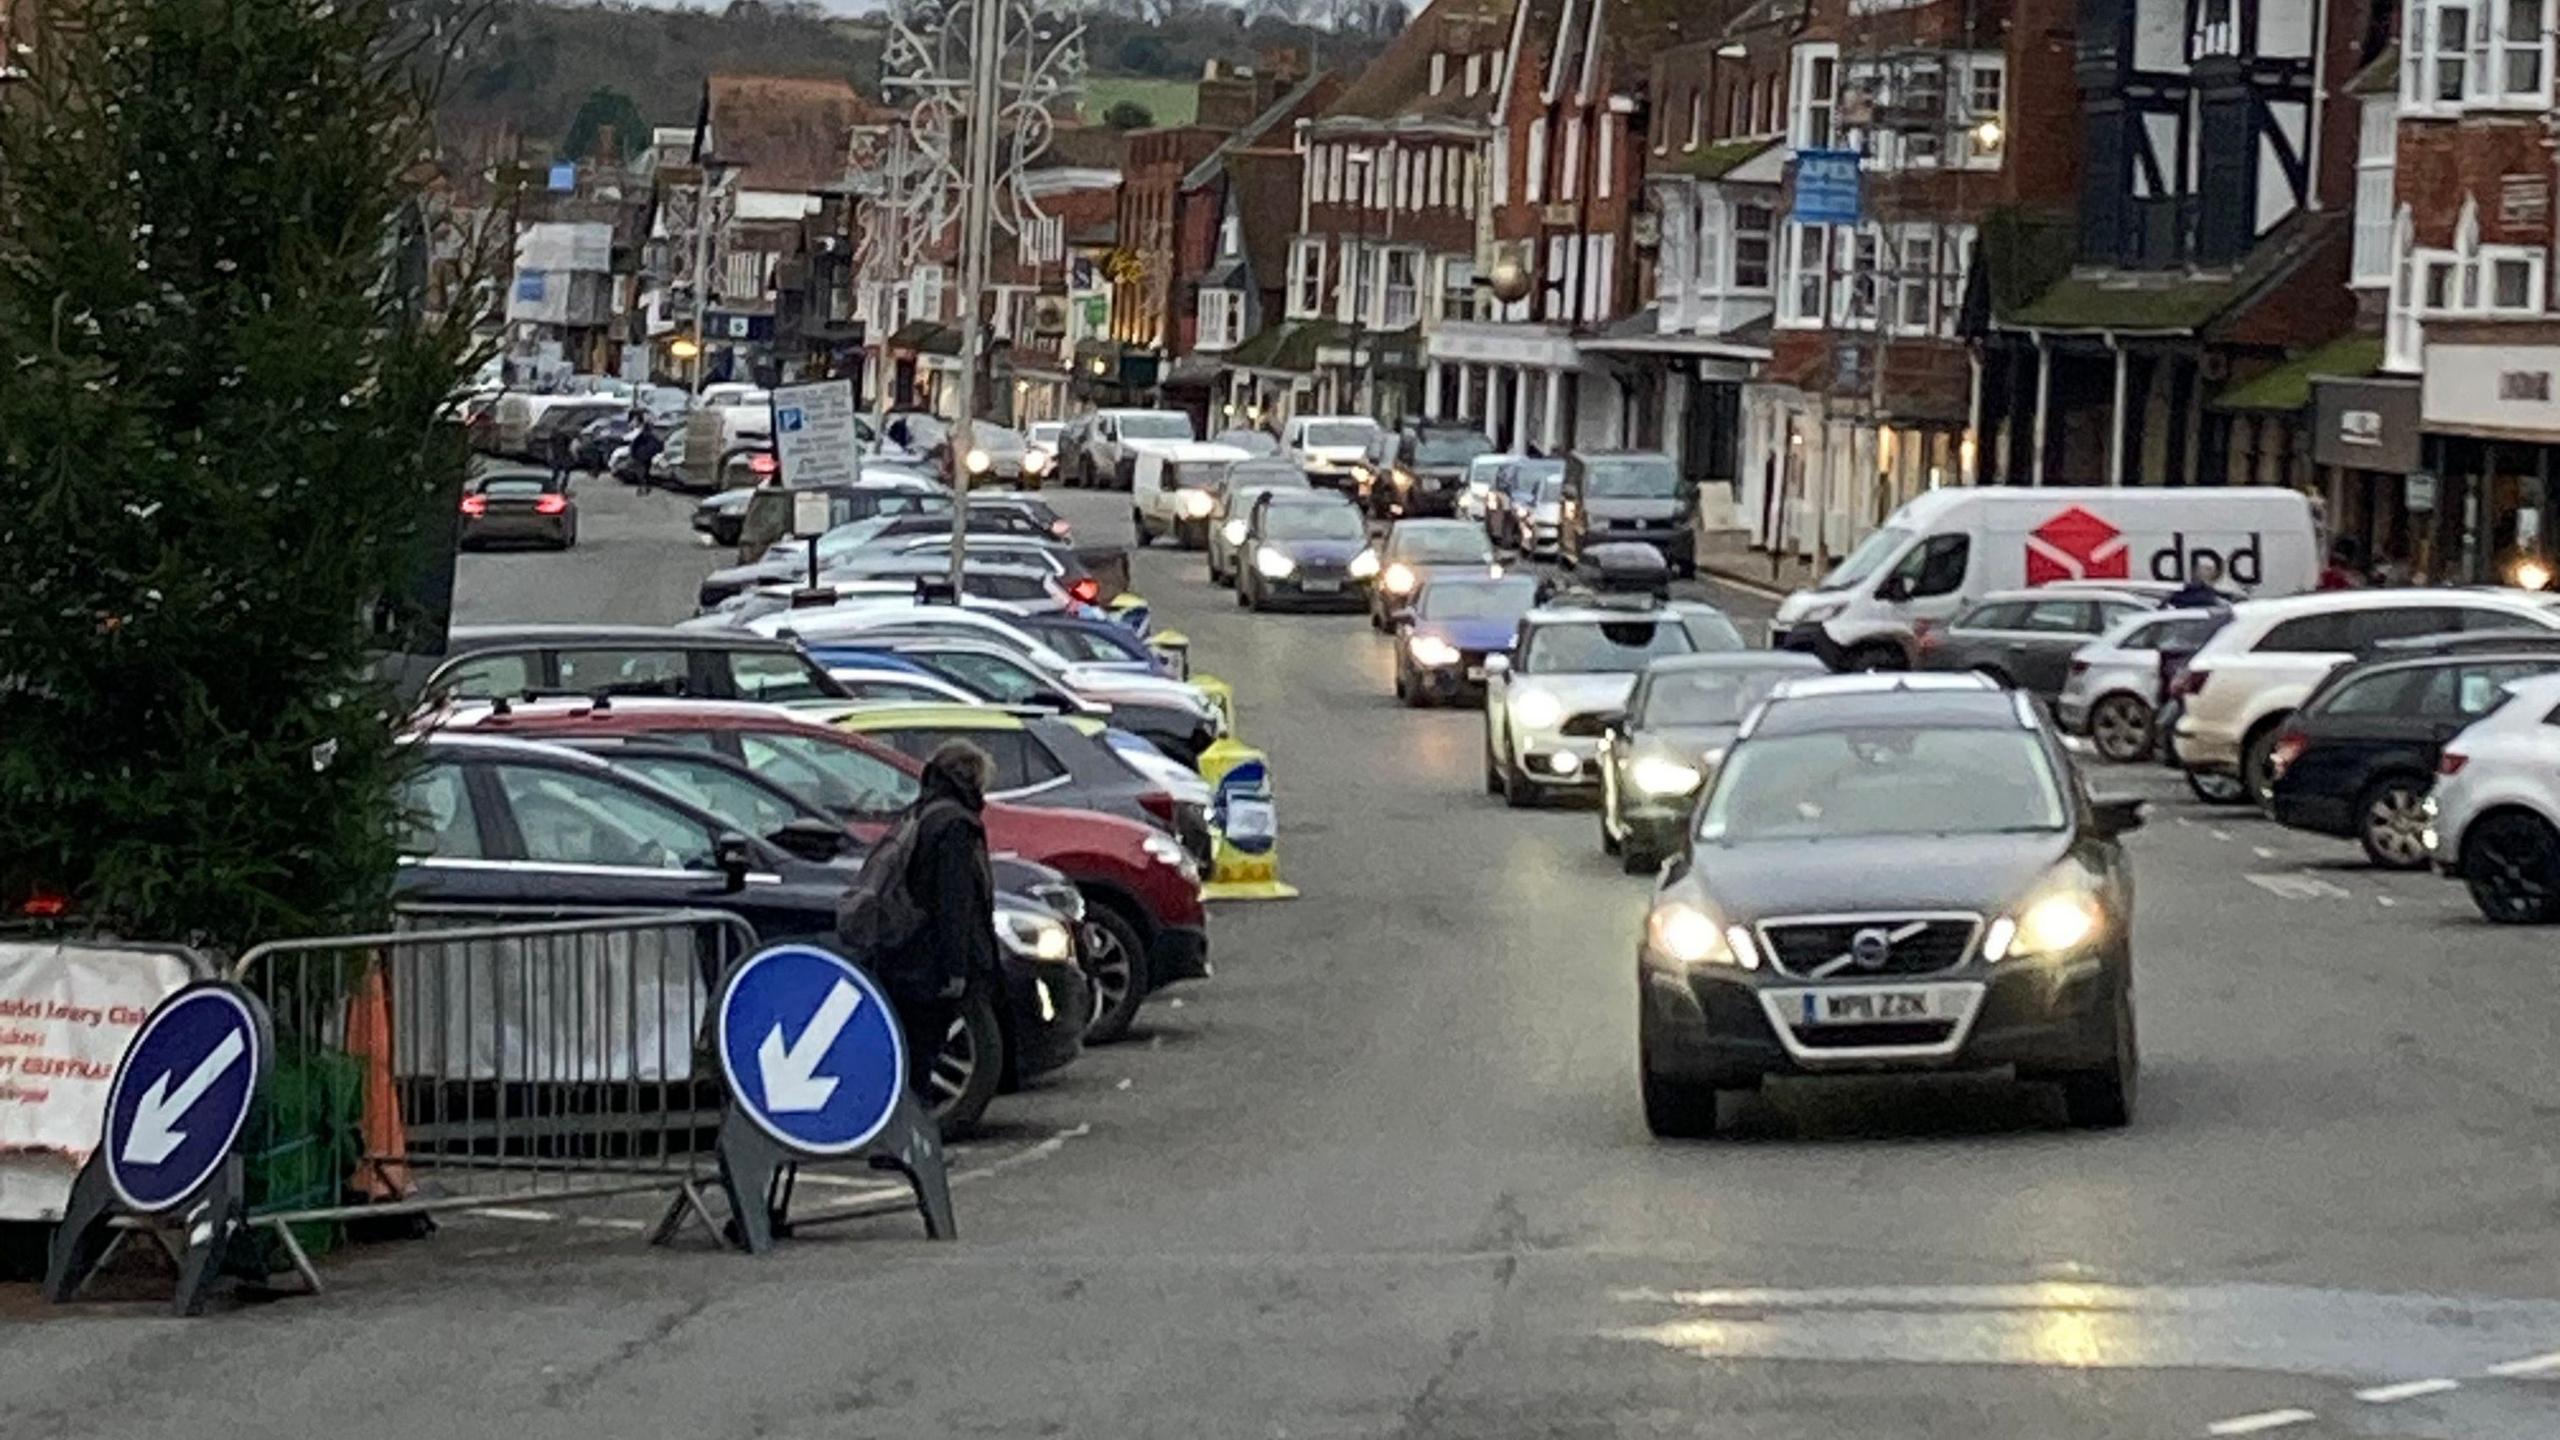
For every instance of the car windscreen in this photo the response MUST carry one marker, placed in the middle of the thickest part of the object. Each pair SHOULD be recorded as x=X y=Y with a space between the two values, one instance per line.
x=1830 y=784
x=1313 y=522
x=1601 y=647
x=1630 y=478
x=1155 y=427
x=1090 y=643
x=1447 y=447
x=1266 y=475
x=1550 y=490
x=1505 y=599
x=1705 y=697
x=1339 y=434
x=1440 y=544
x=1864 y=561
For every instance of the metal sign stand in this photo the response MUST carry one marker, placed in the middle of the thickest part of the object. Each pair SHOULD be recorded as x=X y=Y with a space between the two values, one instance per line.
x=760 y=1177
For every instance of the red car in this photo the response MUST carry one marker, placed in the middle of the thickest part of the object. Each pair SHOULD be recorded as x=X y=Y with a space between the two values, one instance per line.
x=1147 y=927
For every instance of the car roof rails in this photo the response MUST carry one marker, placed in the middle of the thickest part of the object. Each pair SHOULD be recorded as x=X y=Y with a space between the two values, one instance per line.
x=1588 y=598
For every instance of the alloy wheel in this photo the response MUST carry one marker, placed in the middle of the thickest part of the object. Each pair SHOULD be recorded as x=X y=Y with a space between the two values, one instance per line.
x=2395 y=823
x=2120 y=726
x=955 y=1067
x=2513 y=865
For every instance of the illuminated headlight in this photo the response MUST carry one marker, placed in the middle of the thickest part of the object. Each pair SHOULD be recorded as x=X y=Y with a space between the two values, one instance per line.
x=1400 y=579
x=1066 y=899
x=1034 y=461
x=1655 y=775
x=1364 y=564
x=1038 y=937
x=1431 y=651
x=1564 y=762
x=1537 y=710
x=2055 y=925
x=978 y=461
x=1235 y=531
x=1274 y=564
x=1404 y=480
x=1192 y=504
x=1681 y=931
x=1162 y=849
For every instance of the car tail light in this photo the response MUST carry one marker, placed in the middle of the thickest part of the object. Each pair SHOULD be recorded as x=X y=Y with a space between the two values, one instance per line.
x=551 y=505
x=2451 y=762
x=1158 y=803
x=2290 y=743
x=763 y=464
x=475 y=504
x=1088 y=590
x=2079 y=667
x=2191 y=683
x=45 y=905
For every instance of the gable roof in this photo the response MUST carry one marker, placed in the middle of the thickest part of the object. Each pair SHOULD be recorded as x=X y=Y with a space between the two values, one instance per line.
x=1398 y=82
x=1290 y=105
x=786 y=132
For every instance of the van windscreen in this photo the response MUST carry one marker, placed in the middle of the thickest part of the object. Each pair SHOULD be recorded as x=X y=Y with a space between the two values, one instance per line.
x=1869 y=557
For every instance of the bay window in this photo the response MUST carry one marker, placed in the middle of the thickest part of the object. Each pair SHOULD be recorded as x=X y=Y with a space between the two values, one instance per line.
x=2469 y=279
x=2507 y=62
x=2435 y=56
x=1404 y=293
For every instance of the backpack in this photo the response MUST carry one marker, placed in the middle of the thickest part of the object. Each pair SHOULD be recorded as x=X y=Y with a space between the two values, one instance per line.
x=878 y=915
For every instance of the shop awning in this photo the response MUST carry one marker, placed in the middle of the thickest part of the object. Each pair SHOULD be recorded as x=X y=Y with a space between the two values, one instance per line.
x=926 y=337
x=1641 y=334
x=2287 y=388
x=1288 y=347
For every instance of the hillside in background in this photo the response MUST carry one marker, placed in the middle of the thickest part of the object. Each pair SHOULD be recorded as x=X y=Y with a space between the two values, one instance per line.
x=542 y=63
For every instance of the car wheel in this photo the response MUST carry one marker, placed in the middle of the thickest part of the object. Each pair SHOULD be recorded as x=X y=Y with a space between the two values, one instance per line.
x=1404 y=690
x=1492 y=772
x=964 y=1077
x=2102 y=1099
x=1636 y=861
x=2511 y=864
x=1515 y=786
x=1138 y=524
x=2120 y=726
x=1116 y=961
x=2391 y=822
x=2258 y=763
x=1868 y=658
x=1673 y=1109
x=1608 y=811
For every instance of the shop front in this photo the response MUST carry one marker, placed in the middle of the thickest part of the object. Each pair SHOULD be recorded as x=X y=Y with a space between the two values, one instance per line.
x=2490 y=420
x=2367 y=447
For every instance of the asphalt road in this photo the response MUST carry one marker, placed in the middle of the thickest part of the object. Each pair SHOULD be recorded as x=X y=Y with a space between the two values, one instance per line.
x=1385 y=1174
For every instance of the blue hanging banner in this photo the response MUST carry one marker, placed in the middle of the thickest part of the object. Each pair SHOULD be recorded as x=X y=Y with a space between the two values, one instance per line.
x=1827 y=188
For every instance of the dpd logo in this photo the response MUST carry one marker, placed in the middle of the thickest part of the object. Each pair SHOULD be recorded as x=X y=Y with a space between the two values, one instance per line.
x=2076 y=545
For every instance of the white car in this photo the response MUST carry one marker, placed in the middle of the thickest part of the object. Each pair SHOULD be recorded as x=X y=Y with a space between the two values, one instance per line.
x=1483 y=472
x=1547 y=702
x=2250 y=676
x=1328 y=447
x=1173 y=487
x=2494 y=818
x=2113 y=691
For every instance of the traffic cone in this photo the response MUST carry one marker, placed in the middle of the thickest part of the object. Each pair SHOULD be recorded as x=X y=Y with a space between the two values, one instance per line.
x=1246 y=861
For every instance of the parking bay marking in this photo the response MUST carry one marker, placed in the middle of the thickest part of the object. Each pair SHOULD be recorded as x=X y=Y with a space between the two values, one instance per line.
x=2405 y=1390
x=2547 y=1363
x=2298 y=887
x=2262 y=1421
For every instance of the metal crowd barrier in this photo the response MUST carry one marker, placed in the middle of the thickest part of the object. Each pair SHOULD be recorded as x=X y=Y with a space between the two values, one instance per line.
x=490 y=1063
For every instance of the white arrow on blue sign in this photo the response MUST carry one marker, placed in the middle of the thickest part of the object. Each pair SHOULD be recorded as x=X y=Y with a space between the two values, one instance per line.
x=811 y=1050
x=181 y=1096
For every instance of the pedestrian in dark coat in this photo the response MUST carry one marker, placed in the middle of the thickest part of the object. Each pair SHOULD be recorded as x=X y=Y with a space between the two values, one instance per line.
x=947 y=875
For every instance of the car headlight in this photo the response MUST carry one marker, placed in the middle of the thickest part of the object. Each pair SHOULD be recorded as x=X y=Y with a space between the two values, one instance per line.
x=1816 y=614
x=1034 y=461
x=978 y=461
x=1659 y=775
x=1039 y=937
x=1364 y=564
x=1404 y=480
x=1060 y=896
x=1400 y=579
x=1431 y=650
x=1274 y=564
x=1192 y=504
x=1235 y=531
x=2055 y=924
x=1678 y=930
x=1537 y=710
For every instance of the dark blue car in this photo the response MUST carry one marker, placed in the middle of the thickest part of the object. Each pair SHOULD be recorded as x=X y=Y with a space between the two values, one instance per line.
x=1457 y=621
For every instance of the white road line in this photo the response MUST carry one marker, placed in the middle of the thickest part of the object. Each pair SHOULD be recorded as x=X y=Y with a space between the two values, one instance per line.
x=2262 y=852
x=2219 y=834
x=2297 y=887
x=2263 y=1420
x=2385 y=900
x=2406 y=1390
x=553 y=1217
x=2543 y=1364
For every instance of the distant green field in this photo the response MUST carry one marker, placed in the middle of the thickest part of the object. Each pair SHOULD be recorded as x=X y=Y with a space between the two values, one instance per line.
x=1171 y=102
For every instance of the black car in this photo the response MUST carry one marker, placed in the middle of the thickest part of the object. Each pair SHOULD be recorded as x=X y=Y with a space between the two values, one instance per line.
x=1416 y=551
x=1891 y=873
x=1298 y=550
x=492 y=662
x=518 y=504
x=525 y=827
x=2357 y=758
x=1420 y=468
x=762 y=515
x=1628 y=497
x=1655 y=755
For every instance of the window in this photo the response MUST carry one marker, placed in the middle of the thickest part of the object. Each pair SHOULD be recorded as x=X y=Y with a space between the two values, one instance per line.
x=1439 y=178
x=2436 y=59
x=1697 y=118
x=1404 y=295
x=1439 y=72
x=1934 y=567
x=1467 y=182
x=2506 y=53
x=1808 y=277
x=1533 y=181
x=436 y=816
x=999 y=678
x=1984 y=121
x=1710 y=257
x=1336 y=173
x=1916 y=281
x=2307 y=635
x=486 y=677
x=1306 y=278
x=1572 y=158
x=1231 y=235
x=2511 y=285
x=2377 y=151
x=624 y=672
x=1601 y=182
x=573 y=817
x=1816 y=86
x=1737 y=114
x=2477 y=692
x=1997 y=615
x=707 y=785
x=1221 y=319
x=1858 y=254
x=1475 y=73
x=1457 y=287
x=2065 y=617
x=774 y=677
x=839 y=777
x=1403 y=194
x=2389 y=693
x=1751 y=229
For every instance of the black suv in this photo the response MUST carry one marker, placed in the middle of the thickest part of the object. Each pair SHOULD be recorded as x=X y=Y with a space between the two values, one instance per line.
x=1419 y=468
x=1620 y=497
x=1891 y=873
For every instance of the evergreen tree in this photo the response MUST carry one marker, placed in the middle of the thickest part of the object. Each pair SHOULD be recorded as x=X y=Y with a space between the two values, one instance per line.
x=219 y=455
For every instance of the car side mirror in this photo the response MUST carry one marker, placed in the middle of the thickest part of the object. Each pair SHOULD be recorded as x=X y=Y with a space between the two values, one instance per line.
x=1496 y=665
x=811 y=839
x=2114 y=815
x=735 y=854
x=1893 y=587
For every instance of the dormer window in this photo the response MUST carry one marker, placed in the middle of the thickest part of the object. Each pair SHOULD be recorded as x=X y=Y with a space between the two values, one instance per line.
x=1475 y=73
x=1439 y=72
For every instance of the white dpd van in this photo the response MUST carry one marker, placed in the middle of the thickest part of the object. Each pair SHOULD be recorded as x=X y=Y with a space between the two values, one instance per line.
x=1949 y=548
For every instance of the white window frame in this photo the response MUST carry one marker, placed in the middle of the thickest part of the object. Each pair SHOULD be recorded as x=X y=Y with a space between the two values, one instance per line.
x=1763 y=237
x=1970 y=112
x=2377 y=156
x=1439 y=177
x=1806 y=105
x=2469 y=271
x=1602 y=187
x=2497 y=46
x=2429 y=68
x=1392 y=314
x=1572 y=188
x=1306 y=277
x=1709 y=268
x=1230 y=236
x=1221 y=319
x=1804 y=276
x=1533 y=179
x=1915 y=280
x=1454 y=297
x=1697 y=118
x=1439 y=71
x=1475 y=72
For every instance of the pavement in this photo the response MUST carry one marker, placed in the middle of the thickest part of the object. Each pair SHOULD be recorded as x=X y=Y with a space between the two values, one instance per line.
x=1385 y=1174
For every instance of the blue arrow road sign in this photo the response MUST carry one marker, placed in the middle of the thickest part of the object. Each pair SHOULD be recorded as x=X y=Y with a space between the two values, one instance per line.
x=181 y=1095
x=812 y=1052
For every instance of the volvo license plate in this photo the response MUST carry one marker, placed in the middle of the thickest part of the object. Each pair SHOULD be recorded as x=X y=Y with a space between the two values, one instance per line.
x=1878 y=1004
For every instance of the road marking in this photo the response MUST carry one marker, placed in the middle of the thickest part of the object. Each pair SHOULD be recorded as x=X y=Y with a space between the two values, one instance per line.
x=2262 y=852
x=2543 y=1364
x=2263 y=1420
x=553 y=1217
x=2385 y=900
x=2219 y=834
x=2297 y=887
x=2406 y=1390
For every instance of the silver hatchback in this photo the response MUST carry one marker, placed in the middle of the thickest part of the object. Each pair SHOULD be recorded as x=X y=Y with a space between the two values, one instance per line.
x=2114 y=690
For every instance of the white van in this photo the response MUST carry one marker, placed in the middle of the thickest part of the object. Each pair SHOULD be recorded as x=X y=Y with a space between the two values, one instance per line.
x=1949 y=548
x=1328 y=446
x=1173 y=487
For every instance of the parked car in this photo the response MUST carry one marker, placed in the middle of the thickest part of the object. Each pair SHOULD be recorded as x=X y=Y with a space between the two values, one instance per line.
x=501 y=823
x=883 y=490
x=489 y=662
x=1419 y=467
x=1106 y=450
x=1628 y=497
x=1173 y=487
x=788 y=560
x=1140 y=886
x=1458 y=622
x=1415 y=552
x=1029 y=583
x=1302 y=550
x=2119 y=681
x=1660 y=751
x=1484 y=474
x=875 y=681
x=2025 y=639
x=1575 y=660
x=2244 y=684
x=2495 y=812
x=1229 y=513
x=522 y=506
x=2357 y=759
x=1525 y=511
x=1328 y=448
x=1256 y=443
x=1032 y=551
x=1041 y=438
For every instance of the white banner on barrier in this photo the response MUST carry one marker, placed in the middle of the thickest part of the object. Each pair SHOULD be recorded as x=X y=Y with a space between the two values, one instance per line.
x=67 y=1012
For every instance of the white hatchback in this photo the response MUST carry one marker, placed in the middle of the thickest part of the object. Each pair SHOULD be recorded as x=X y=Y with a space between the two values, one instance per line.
x=2114 y=689
x=2494 y=819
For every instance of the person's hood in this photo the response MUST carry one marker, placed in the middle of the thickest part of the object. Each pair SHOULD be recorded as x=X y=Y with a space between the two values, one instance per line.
x=1335 y=552
x=1487 y=634
x=945 y=781
x=1745 y=883
x=1632 y=507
